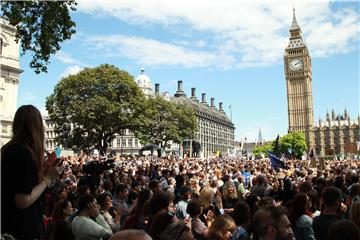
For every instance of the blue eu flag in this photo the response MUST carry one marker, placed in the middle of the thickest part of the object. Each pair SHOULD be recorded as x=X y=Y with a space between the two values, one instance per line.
x=276 y=163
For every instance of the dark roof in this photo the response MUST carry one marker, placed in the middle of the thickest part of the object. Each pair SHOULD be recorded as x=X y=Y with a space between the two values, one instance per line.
x=218 y=116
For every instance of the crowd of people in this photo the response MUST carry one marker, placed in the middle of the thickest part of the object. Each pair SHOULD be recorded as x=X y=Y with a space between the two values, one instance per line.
x=172 y=198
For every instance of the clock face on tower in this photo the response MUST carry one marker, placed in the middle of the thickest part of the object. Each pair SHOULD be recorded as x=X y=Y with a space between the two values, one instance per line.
x=296 y=64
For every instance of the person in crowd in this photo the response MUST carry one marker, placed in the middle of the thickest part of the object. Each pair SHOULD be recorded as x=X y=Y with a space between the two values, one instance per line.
x=131 y=234
x=343 y=229
x=242 y=218
x=59 y=228
x=134 y=191
x=261 y=186
x=301 y=222
x=83 y=225
x=120 y=198
x=108 y=187
x=161 y=220
x=163 y=180
x=161 y=201
x=272 y=223
x=222 y=228
x=211 y=203
x=172 y=183
x=241 y=187
x=155 y=186
x=137 y=219
x=331 y=197
x=288 y=192
x=198 y=228
x=177 y=231
x=185 y=196
x=314 y=203
x=230 y=197
x=25 y=175
x=355 y=214
x=105 y=202
x=59 y=192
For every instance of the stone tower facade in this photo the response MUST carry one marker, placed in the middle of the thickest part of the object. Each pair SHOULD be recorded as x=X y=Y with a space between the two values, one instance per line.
x=298 y=74
x=9 y=79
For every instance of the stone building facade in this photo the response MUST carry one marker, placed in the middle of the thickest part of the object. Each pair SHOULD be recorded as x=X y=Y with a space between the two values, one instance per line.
x=338 y=134
x=9 y=79
x=215 y=133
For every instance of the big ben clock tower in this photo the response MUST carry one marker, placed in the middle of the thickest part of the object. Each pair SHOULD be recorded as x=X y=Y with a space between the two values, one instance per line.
x=298 y=76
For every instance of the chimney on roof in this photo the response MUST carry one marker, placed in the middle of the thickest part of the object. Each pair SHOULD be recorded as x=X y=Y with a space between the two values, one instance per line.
x=157 y=89
x=180 y=91
x=221 y=107
x=212 y=103
x=203 y=99
x=193 y=95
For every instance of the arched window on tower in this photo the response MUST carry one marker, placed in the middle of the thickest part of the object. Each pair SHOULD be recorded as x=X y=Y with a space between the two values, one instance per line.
x=1 y=45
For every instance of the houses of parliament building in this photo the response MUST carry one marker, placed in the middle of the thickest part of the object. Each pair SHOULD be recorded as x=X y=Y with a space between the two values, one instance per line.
x=338 y=133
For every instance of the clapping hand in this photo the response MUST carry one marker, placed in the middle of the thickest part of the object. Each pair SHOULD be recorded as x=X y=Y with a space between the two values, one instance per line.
x=93 y=210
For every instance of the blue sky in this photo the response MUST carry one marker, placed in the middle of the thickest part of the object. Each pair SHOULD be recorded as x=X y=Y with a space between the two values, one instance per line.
x=232 y=50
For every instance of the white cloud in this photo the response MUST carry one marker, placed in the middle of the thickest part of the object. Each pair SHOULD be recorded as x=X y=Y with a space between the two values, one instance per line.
x=71 y=70
x=237 y=33
x=67 y=58
x=149 y=52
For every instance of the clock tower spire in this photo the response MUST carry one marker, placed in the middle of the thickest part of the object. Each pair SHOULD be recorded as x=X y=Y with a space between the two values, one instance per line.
x=298 y=74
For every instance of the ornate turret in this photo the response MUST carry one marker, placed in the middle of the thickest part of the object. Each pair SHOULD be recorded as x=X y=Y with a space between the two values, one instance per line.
x=333 y=115
x=320 y=124
x=260 y=139
x=144 y=83
x=328 y=116
x=295 y=31
x=346 y=115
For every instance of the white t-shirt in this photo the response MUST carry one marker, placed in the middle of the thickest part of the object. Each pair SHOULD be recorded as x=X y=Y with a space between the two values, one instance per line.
x=84 y=228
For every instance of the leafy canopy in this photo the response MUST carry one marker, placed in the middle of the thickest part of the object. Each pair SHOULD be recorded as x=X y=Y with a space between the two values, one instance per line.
x=98 y=103
x=165 y=122
x=41 y=26
x=292 y=145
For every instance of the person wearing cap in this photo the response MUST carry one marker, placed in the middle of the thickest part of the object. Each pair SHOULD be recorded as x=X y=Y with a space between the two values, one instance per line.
x=185 y=196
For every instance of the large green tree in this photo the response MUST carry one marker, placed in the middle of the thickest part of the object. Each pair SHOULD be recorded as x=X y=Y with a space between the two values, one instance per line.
x=97 y=103
x=262 y=149
x=293 y=144
x=166 y=121
x=41 y=25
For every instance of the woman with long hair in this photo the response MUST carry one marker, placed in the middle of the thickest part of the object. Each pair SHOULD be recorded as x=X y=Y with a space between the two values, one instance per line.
x=59 y=228
x=230 y=195
x=25 y=175
x=137 y=220
x=105 y=202
x=222 y=228
x=299 y=218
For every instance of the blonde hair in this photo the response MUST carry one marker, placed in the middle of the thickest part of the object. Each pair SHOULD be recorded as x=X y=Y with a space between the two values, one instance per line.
x=227 y=193
x=206 y=196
